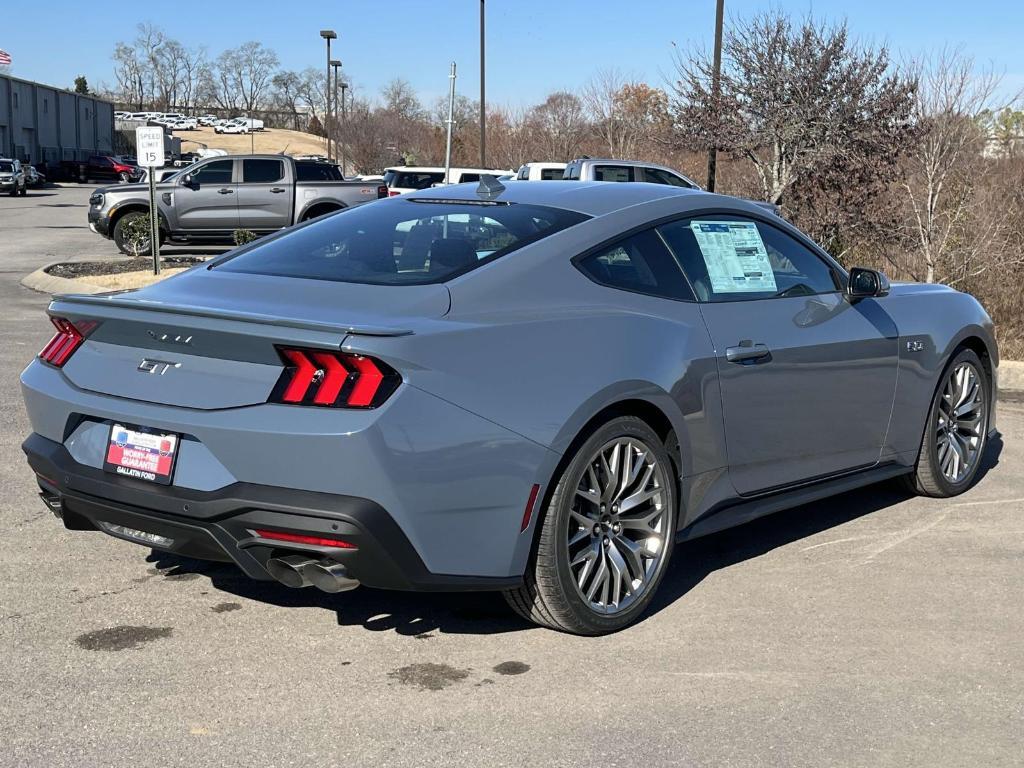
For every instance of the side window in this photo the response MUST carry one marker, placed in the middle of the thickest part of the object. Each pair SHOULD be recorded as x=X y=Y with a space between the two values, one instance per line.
x=524 y=173
x=729 y=258
x=658 y=176
x=260 y=171
x=215 y=172
x=613 y=173
x=640 y=263
x=572 y=173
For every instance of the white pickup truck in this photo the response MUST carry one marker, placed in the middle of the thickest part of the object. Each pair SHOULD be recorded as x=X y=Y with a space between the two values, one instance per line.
x=607 y=169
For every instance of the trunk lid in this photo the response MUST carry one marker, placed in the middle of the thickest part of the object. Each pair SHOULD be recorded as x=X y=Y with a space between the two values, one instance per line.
x=207 y=340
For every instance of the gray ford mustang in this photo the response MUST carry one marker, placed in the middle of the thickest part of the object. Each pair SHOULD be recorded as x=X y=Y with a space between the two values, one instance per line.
x=537 y=389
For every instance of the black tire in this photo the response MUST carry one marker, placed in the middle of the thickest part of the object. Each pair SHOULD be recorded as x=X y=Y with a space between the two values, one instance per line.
x=549 y=595
x=927 y=479
x=120 y=234
x=14 y=190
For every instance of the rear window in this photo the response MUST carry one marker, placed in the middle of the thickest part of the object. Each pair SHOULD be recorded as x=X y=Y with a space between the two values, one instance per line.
x=413 y=179
x=613 y=173
x=402 y=242
x=315 y=171
x=551 y=174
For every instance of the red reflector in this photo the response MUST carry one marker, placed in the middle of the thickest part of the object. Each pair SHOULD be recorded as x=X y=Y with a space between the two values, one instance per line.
x=367 y=384
x=301 y=379
x=299 y=538
x=68 y=338
x=528 y=512
x=393 y=193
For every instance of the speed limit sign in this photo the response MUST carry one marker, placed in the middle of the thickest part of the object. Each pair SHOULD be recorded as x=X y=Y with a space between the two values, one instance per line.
x=149 y=146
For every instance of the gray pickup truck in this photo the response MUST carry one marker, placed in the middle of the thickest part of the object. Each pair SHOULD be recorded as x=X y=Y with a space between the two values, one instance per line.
x=206 y=202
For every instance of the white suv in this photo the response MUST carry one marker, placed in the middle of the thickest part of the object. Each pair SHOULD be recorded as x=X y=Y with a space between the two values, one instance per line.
x=409 y=178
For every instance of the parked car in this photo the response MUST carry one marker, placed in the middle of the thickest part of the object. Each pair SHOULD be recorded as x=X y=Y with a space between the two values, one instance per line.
x=106 y=168
x=33 y=178
x=208 y=201
x=538 y=389
x=540 y=172
x=408 y=178
x=12 y=177
x=207 y=120
x=608 y=169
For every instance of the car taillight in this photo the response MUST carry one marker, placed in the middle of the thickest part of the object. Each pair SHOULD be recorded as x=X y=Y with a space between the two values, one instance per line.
x=333 y=379
x=382 y=191
x=394 y=193
x=69 y=337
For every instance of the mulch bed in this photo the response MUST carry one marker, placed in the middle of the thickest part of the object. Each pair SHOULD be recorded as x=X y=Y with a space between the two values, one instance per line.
x=115 y=267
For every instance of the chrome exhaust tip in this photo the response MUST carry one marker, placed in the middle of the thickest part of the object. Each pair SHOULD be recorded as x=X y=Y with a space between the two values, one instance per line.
x=52 y=502
x=329 y=576
x=290 y=570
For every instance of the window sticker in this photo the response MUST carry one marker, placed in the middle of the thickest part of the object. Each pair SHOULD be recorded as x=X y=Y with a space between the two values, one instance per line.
x=735 y=255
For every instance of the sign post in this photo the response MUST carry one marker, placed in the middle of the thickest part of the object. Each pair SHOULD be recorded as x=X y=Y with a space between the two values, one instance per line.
x=149 y=149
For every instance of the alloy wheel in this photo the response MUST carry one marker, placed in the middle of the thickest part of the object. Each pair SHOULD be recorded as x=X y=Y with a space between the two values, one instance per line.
x=617 y=525
x=960 y=424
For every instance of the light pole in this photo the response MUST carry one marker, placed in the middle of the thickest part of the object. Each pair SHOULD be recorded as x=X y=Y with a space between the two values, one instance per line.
x=483 y=107
x=328 y=35
x=716 y=87
x=336 y=65
x=344 y=127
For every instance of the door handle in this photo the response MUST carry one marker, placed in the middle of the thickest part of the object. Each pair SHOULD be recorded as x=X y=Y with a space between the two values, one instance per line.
x=277 y=190
x=746 y=352
x=225 y=191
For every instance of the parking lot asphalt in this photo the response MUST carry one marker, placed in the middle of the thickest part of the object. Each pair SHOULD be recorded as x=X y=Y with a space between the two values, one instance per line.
x=873 y=629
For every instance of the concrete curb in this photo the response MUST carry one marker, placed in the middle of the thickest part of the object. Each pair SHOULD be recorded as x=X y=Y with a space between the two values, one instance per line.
x=42 y=281
x=1011 y=372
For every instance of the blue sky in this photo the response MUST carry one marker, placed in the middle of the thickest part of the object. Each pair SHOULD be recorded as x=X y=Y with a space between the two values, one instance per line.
x=533 y=46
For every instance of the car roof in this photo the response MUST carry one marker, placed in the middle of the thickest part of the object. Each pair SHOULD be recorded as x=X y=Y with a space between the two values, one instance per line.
x=440 y=169
x=592 y=198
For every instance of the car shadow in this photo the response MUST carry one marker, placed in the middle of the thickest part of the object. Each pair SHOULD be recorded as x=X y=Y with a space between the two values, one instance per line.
x=419 y=614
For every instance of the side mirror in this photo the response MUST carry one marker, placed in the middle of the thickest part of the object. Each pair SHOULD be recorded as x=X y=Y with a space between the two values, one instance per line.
x=188 y=181
x=866 y=283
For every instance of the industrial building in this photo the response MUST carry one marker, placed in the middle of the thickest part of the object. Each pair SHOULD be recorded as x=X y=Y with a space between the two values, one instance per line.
x=41 y=124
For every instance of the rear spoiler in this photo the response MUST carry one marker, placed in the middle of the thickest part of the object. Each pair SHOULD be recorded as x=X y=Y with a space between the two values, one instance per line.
x=74 y=302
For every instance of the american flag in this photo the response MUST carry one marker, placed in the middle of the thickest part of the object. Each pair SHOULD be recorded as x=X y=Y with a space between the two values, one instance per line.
x=5 y=58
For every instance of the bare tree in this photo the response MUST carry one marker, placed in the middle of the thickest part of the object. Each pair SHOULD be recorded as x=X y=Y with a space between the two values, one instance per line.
x=512 y=137
x=243 y=76
x=957 y=232
x=559 y=125
x=792 y=99
x=401 y=101
x=128 y=73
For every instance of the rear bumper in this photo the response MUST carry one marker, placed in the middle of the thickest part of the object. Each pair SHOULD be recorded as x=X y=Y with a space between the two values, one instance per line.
x=220 y=525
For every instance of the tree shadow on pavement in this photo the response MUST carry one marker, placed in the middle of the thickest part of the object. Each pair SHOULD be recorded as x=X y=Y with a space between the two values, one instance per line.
x=484 y=613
